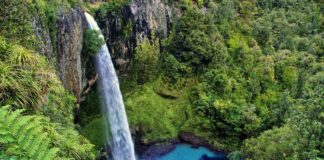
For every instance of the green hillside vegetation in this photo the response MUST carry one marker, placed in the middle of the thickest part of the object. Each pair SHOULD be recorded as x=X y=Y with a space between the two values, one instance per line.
x=29 y=83
x=37 y=120
x=245 y=75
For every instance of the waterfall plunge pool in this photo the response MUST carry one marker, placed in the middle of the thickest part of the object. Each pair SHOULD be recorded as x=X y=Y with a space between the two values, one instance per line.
x=184 y=151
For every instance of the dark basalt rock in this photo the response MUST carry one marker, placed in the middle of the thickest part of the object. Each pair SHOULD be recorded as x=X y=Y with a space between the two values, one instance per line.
x=43 y=36
x=195 y=141
x=143 y=17
x=205 y=157
x=158 y=150
x=104 y=153
x=192 y=139
x=76 y=70
x=153 y=148
x=69 y=47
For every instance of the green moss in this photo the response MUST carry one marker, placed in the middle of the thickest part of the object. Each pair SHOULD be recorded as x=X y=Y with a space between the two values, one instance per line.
x=17 y=17
x=160 y=118
x=17 y=28
x=95 y=132
x=127 y=30
x=166 y=92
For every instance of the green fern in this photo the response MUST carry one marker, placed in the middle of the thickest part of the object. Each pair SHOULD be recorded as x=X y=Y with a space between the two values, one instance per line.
x=28 y=82
x=23 y=137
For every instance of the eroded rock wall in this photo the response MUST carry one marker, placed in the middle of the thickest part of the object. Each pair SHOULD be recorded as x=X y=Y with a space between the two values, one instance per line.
x=71 y=26
x=43 y=36
x=123 y=32
x=133 y=23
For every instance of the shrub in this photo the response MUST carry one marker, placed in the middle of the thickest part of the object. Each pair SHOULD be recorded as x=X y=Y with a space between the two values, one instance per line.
x=93 y=41
x=278 y=143
x=111 y=8
x=146 y=61
x=172 y=68
x=196 y=40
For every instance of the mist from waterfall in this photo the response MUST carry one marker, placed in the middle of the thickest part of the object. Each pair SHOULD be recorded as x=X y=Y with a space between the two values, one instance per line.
x=121 y=143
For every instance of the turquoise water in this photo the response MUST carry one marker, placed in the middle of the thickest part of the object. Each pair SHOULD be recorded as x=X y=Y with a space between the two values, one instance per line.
x=186 y=152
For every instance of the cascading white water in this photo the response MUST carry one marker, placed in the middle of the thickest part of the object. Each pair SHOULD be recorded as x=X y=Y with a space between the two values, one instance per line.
x=121 y=144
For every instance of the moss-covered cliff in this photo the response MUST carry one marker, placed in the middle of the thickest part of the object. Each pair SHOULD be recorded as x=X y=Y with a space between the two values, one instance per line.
x=37 y=113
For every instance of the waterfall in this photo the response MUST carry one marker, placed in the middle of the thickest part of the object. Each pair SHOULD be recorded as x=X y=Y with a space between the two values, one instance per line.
x=121 y=144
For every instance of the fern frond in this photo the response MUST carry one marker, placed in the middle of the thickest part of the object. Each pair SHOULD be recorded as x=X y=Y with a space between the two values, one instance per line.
x=11 y=118
x=4 y=131
x=6 y=138
x=51 y=154
x=41 y=149
x=24 y=136
x=36 y=145
x=40 y=154
x=22 y=122
x=24 y=129
x=14 y=150
x=29 y=139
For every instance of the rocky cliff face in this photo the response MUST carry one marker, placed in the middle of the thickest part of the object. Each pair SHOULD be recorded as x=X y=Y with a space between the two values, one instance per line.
x=133 y=23
x=151 y=15
x=71 y=26
x=43 y=36
x=123 y=31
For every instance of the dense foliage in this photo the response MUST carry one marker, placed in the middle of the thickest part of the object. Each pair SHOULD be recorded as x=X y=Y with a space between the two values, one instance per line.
x=112 y=8
x=36 y=111
x=247 y=76
x=92 y=42
x=146 y=61
x=28 y=82
x=19 y=19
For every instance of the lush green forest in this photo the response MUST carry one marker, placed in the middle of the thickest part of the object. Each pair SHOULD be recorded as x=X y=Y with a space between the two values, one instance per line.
x=246 y=75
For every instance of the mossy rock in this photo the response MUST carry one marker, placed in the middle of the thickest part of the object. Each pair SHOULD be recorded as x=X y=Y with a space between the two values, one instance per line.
x=166 y=92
